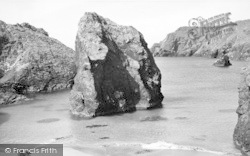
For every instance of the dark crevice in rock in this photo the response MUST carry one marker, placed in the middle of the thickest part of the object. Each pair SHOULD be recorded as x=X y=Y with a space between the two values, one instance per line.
x=20 y=88
x=115 y=87
x=150 y=70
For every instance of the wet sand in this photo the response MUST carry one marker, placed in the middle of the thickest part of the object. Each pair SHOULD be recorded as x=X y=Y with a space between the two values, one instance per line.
x=73 y=152
x=131 y=151
x=198 y=114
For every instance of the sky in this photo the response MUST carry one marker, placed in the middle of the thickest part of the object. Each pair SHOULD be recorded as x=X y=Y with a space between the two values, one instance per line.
x=153 y=18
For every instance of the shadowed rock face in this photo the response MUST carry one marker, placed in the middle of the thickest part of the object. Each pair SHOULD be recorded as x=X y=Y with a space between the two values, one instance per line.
x=212 y=44
x=115 y=70
x=242 y=130
x=31 y=61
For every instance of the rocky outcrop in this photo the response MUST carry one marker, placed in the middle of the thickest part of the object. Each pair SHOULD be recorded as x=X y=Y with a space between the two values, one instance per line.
x=235 y=38
x=242 y=129
x=175 y=44
x=223 y=62
x=156 y=48
x=31 y=61
x=115 y=70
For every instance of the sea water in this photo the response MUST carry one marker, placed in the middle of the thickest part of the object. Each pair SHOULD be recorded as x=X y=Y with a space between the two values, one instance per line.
x=198 y=113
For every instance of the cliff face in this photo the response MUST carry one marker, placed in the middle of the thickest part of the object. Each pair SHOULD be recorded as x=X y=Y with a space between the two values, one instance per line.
x=235 y=40
x=115 y=70
x=242 y=129
x=31 y=61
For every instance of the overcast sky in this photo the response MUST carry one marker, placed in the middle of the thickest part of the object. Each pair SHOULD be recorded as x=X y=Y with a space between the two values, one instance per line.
x=154 y=18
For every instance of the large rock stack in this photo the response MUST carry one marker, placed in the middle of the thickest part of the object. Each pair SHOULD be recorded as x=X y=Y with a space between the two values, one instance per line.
x=115 y=70
x=242 y=129
x=31 y=61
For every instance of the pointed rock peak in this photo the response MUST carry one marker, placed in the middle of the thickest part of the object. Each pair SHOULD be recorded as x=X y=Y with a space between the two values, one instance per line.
x=92 y=17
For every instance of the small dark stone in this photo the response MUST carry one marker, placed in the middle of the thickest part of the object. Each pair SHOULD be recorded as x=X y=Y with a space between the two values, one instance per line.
x=223 y=61
x=64 y=137
x=104 y=138
x=153 y=118
x=143 y=151
x=96 y=126
x=181 y=118
x=49 y=120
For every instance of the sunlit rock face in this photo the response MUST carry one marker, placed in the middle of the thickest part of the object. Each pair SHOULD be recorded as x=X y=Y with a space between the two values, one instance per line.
x=115 y=70
x=31 y=61
x=242 y=129
x=234 y=38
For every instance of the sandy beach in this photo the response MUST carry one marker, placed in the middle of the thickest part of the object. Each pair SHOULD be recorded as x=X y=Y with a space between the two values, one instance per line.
x=137 y=150
x=183 y=127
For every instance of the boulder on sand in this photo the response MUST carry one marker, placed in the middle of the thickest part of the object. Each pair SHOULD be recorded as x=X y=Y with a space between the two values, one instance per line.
x=116 y=71
x=223 y=62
